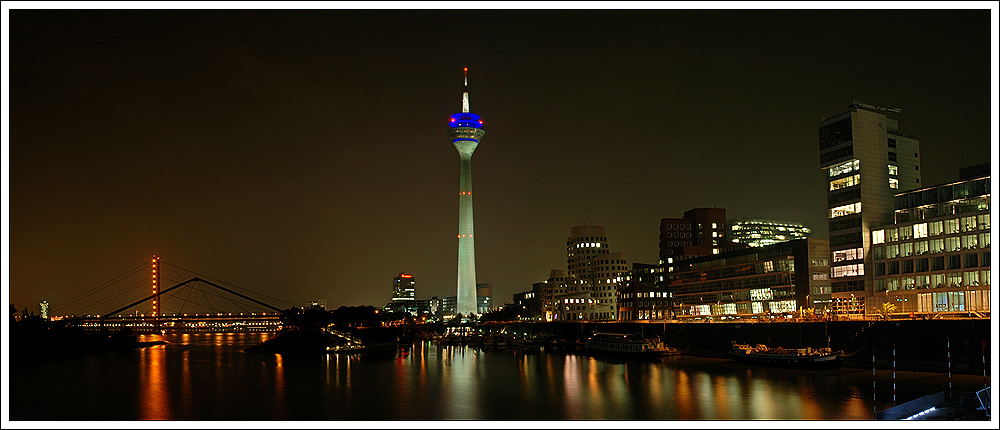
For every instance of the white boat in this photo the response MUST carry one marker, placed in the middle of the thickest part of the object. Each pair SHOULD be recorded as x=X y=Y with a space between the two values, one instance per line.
x=627 y=345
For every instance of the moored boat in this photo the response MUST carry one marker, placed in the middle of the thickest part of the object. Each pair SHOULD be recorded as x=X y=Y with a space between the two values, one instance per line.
x=627 y=345
x=778 y=356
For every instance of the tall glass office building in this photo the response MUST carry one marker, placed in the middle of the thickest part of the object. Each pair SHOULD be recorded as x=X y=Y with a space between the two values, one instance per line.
x=936 y=258
x=866 y=161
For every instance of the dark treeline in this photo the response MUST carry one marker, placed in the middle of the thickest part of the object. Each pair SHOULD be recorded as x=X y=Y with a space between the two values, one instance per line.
x=344 y=317
x=33 y=337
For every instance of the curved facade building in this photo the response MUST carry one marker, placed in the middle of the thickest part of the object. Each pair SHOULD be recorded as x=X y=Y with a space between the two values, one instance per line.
x=466 y=130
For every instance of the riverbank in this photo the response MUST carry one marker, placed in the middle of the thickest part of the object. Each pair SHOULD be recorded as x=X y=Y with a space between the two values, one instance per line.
x=961 y=346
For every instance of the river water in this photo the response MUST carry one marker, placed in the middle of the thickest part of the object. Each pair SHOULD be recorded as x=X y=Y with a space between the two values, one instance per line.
x=208 y=377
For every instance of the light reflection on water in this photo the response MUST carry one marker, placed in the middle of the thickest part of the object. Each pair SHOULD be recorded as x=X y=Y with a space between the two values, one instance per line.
x=208 y=377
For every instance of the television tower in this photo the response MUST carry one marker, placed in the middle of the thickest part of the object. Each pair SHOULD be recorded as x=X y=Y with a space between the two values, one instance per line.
x=466 y=132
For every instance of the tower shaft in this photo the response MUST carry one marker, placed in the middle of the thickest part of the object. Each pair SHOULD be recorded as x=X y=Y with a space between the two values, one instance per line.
x=466 y=298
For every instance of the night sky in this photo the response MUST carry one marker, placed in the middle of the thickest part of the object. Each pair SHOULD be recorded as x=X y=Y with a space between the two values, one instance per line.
x=305 y=154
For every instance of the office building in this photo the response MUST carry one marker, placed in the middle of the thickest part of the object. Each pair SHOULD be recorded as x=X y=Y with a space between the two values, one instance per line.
x=866 y=160
x=403 y=293
x=702 y=231
x=935 y=259
x=531 y=307
x=447 y=306
x=404 y=288
x=484 y=298
x=466 y=130
x=645 y=295
x=594 y=274
x=776 y=280
x=759 y=232
x=548 y=291
x=44 y=307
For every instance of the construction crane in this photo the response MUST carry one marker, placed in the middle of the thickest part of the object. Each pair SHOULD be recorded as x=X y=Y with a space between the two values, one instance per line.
x=857 y=104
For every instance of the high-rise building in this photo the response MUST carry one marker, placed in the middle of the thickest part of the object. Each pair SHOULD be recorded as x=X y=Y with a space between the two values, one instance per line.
x=935 y=260
x=403 y=293
x=867 y=160
x=484 y=297
x=594 y=275
x=759 y=232
x=702 y=231
x=44 y=305
x=466 y=132
x=404 y=288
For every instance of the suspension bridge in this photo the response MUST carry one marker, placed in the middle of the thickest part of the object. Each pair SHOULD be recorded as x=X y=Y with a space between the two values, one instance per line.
x=198 y=304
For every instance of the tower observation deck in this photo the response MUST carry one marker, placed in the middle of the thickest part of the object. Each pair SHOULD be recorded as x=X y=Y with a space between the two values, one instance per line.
x=466 y=131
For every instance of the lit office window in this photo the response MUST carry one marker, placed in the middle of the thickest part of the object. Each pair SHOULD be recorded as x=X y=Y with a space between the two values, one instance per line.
x=847 y=209
x=845 y=182
x=893 y=170
x=843 y=168
x=848 y=254
x=878 y=236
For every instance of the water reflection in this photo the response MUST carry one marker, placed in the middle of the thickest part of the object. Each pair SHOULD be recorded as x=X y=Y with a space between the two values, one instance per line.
x=207 y=377
x=154 y=397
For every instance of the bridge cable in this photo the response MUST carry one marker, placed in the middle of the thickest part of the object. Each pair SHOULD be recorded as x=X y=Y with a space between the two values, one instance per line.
x=208 y=304
x=231 y=301
x=109 y=298
x=225 y=297
x=173 y=295
x=94 y=290
x=185 y=300
x=227 y=283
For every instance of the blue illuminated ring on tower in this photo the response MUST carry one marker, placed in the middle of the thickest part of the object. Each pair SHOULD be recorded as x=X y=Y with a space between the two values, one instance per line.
x=465 y=119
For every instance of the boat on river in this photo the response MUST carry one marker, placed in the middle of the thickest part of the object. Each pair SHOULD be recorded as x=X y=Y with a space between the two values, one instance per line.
x=778 y=356
x=627 y=345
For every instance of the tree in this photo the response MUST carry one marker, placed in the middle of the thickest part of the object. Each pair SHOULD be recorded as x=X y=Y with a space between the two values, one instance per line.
x=886 y=309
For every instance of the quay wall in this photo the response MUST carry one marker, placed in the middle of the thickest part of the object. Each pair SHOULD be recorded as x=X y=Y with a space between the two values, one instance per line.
x=920 y=345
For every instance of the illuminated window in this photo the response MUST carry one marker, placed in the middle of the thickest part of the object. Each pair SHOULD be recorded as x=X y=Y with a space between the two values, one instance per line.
x=848 y=270
x=893 y=170
x=891 y=234
x=843 y=168
x=937 y=246
x=782 y=306
x=893 y=183
x=878 y=237
x=920 y=230
x=845 y=182
x=847 y=209
x=761 y=294
x=906 y=232
x=848 y=254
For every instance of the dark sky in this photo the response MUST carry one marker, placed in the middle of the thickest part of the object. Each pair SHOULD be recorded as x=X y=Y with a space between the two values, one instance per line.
x=305 y=154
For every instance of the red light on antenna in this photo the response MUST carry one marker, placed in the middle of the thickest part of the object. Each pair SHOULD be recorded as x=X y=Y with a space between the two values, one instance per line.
x=465 y=69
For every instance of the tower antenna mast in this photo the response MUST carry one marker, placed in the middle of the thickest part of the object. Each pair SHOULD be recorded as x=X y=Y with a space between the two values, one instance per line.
x=465 y=94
